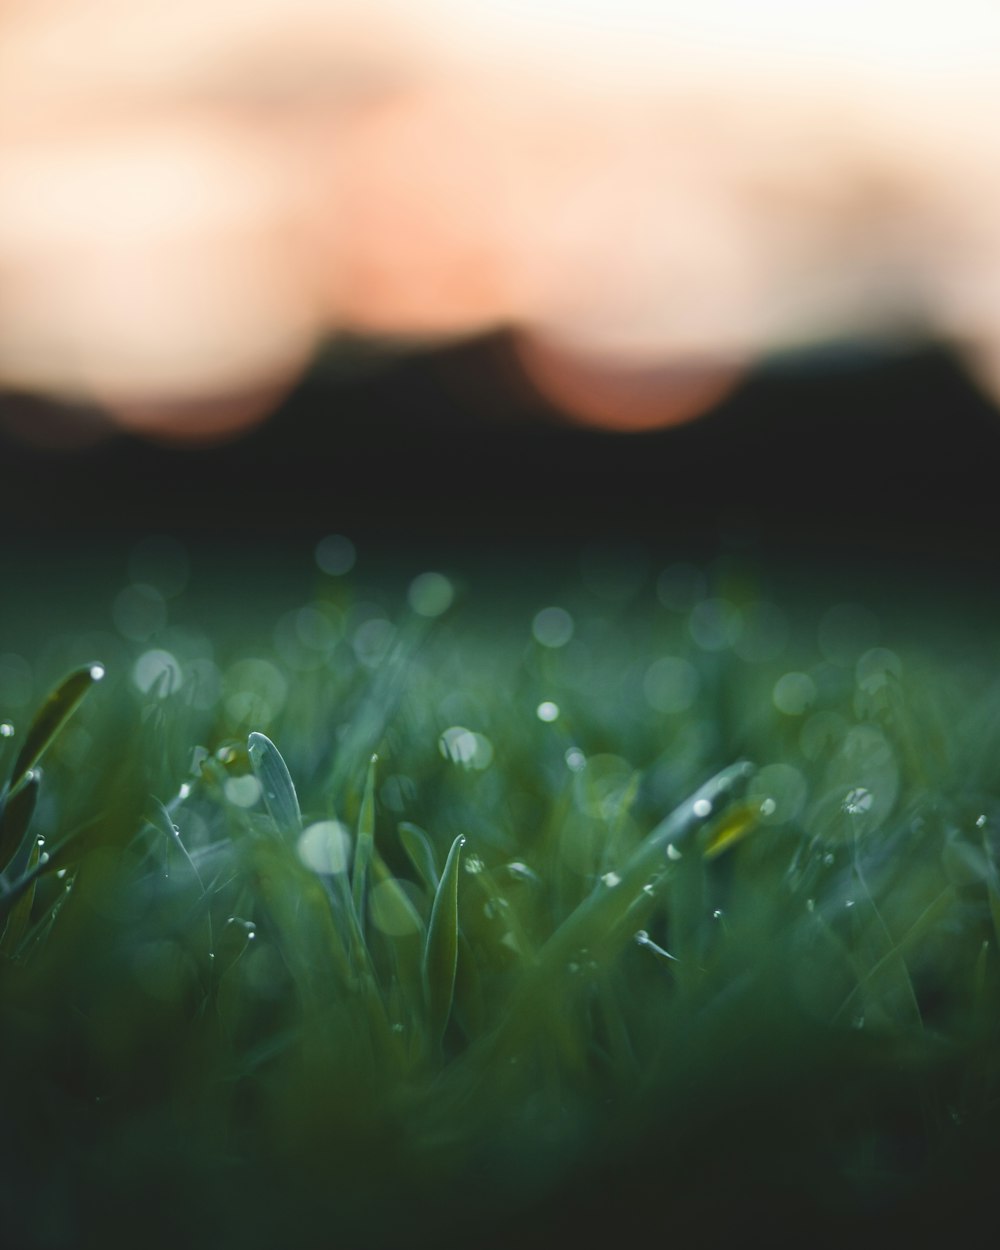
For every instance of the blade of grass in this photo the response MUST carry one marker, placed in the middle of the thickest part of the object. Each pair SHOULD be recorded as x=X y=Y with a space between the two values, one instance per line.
x=15 y=822
x=420 y=853
x=276 y=785
x=51 y=716
x=365 y=844
x=161 y=820
x=20 y=913
x=441 y=948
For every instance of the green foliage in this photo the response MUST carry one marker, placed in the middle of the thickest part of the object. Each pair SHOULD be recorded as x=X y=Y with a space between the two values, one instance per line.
x=546 y=941
x=441 y=946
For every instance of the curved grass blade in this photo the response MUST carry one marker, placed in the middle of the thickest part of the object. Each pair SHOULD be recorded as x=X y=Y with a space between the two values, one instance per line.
x=441 y=947
x=161 y=820
x=51 y=716
x=365 y=844
x=420 y=853
x=15 y=821
x=276 y=785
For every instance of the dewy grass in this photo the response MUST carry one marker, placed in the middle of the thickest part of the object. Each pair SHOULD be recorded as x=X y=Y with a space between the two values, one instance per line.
x=557 y=958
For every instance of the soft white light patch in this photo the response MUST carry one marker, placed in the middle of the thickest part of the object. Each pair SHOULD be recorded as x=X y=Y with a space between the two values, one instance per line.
x=552 y=627
x=325 y=847
x=430 y=594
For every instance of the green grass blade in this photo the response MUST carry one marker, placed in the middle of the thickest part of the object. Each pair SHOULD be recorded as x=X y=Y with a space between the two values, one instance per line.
x=276 y=785
x=16 y=819
x=51 y=716
x=161 y=820
x=441 y=948
x=365 y=844
x=20 y=913
x=420 y=853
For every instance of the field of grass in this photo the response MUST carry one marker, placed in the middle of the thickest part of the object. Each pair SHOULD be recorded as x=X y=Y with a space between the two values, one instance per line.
x=634 y=903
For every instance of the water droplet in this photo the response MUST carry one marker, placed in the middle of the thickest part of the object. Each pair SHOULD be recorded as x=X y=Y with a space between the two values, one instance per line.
x=702 y=808
x=465 y=747
x=981 y=822
x=61 y=873
x=473 y=864
x=547 y=711
x=184 y=791
x=828 y=858
x=6 y=729
x=849 y=902
x=576 y=761
x=717 y=914
x=768 y=807
x=642 y=938
x=673 y=853
x=39 y=841
x=521 y=872
x=552 y=627
x=857 y=801
x=242 y=791
x=611 y=879
x=431 y=594
x=335 y=555
x=325 y=847
x=251 y=935
x=794 y=694
x=97 y=672
x=810 y=904
x=648 y=889
x=44 y=857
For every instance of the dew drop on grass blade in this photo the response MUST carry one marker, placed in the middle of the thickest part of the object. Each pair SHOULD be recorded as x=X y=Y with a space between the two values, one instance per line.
x=441 y=949
x=160 y=817
x=602 y=923
x=161 y=820
x=52 y=715
x=276 y=785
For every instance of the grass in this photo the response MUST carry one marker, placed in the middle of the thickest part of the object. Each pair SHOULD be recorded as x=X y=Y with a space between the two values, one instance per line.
x=473 y=922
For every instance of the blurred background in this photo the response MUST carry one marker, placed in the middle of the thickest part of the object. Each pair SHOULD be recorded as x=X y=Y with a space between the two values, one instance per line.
x=860 y=457
x=298 y=270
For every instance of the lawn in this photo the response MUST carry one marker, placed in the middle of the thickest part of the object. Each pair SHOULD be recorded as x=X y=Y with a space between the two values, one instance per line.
x=624 y=898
